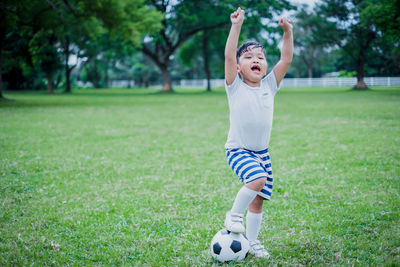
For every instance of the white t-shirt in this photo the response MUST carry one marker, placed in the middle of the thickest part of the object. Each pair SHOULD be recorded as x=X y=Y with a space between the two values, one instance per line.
x=250 y=113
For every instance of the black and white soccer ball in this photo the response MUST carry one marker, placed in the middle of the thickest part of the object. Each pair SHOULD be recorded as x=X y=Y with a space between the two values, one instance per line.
x=228 y=246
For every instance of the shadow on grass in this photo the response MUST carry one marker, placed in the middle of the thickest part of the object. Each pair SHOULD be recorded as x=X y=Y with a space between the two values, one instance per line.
x=98 y=97
x=124 y=97
x=6 y=100
x=119 y=92
x=340 y=90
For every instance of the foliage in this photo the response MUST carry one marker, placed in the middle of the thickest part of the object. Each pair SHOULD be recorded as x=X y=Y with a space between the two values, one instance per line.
x=192 y=57
x=44 y=53
x=17 y=18
x=344 y=73
x=127 y=19
x=142 y=70
x=347 y=25
x=186 y=18
x=385 y=16
x=100 y=58
x=78 y=28
x=98 y=41
x=45 y=56
x=309 y=48
x=133 y=177
x=19 y=70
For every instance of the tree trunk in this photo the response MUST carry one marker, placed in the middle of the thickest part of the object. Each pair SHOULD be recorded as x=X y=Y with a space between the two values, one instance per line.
x=67 y=68
x=67 y=79
x=96 y=81
x=146 y=80
x=50 y=83
x=167 y=86
x=310 y=72
x=57 y=81
x=2 y=37
x=360 y=77
x=96 y=76
x=205 y=57
x=162 y=63
x=106 y=79
x=1 y=74
x=309 y=61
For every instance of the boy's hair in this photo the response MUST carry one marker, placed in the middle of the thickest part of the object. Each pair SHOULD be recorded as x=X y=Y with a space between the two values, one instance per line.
x=245 y=47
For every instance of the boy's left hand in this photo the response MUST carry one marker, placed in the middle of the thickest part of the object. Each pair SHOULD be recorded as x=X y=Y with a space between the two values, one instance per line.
x=285 y=24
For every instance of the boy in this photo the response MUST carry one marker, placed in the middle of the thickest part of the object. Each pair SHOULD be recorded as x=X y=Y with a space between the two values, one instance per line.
x=251 y=100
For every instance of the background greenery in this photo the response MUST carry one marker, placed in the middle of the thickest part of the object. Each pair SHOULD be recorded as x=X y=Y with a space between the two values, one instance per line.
x=134 y=177
x=56 y=43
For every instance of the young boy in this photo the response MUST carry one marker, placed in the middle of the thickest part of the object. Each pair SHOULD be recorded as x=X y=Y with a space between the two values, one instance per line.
x=251 y=102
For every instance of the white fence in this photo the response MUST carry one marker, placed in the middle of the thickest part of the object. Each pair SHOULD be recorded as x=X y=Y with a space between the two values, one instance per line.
x=303 y=82
x=340 y=82
x=112 y=84
x=287 y=82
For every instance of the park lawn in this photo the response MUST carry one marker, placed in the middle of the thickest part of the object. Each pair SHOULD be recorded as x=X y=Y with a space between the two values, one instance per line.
x=134 y=177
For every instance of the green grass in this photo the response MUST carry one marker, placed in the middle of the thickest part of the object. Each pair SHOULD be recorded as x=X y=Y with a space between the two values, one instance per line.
x=133 y=177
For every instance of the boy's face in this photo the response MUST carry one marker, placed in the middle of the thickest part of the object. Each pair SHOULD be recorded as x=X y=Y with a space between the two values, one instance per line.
x=252 y=65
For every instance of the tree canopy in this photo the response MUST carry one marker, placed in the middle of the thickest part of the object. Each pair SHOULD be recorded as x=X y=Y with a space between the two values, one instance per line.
x=350 y=26
x=60 y=42
x=74 y=27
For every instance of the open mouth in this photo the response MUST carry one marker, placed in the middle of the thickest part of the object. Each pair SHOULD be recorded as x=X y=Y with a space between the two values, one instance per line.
x=256 y=68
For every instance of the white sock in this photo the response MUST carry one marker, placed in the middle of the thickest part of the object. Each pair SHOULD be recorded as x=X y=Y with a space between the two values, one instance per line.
x=243 y=199
x=253 y=225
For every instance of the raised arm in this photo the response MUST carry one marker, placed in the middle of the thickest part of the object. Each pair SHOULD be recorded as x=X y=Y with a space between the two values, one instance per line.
x=237 y=18
x=282 y=66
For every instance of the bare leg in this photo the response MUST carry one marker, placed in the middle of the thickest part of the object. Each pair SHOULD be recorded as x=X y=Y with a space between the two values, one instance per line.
x=256 y=205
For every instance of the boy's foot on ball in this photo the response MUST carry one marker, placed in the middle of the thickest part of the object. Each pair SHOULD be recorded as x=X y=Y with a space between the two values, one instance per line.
x=258 y=250
x=234 y=222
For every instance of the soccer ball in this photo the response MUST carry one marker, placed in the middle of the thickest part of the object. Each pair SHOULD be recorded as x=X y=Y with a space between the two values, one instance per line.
x=228 y=246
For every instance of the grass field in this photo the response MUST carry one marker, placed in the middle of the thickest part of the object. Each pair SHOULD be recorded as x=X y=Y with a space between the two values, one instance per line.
x=133 y=177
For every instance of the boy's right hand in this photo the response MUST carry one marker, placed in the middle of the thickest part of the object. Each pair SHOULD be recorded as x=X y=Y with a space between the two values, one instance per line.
x=237 y=17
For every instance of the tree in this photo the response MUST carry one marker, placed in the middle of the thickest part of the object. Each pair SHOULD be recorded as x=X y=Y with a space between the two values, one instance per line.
x=187 y=17
x=344 y=26
x=6 y=22
x=385 y=16
x=204 y=54
x=45 y=56
x=84 y=21
x=142 y=70
x=308 y=48
x=9 y=23
x=182 y=20
x=99 y=55
x=20 y=21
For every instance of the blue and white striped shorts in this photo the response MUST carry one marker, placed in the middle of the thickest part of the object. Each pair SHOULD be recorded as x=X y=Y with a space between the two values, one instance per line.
x=250 y=166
